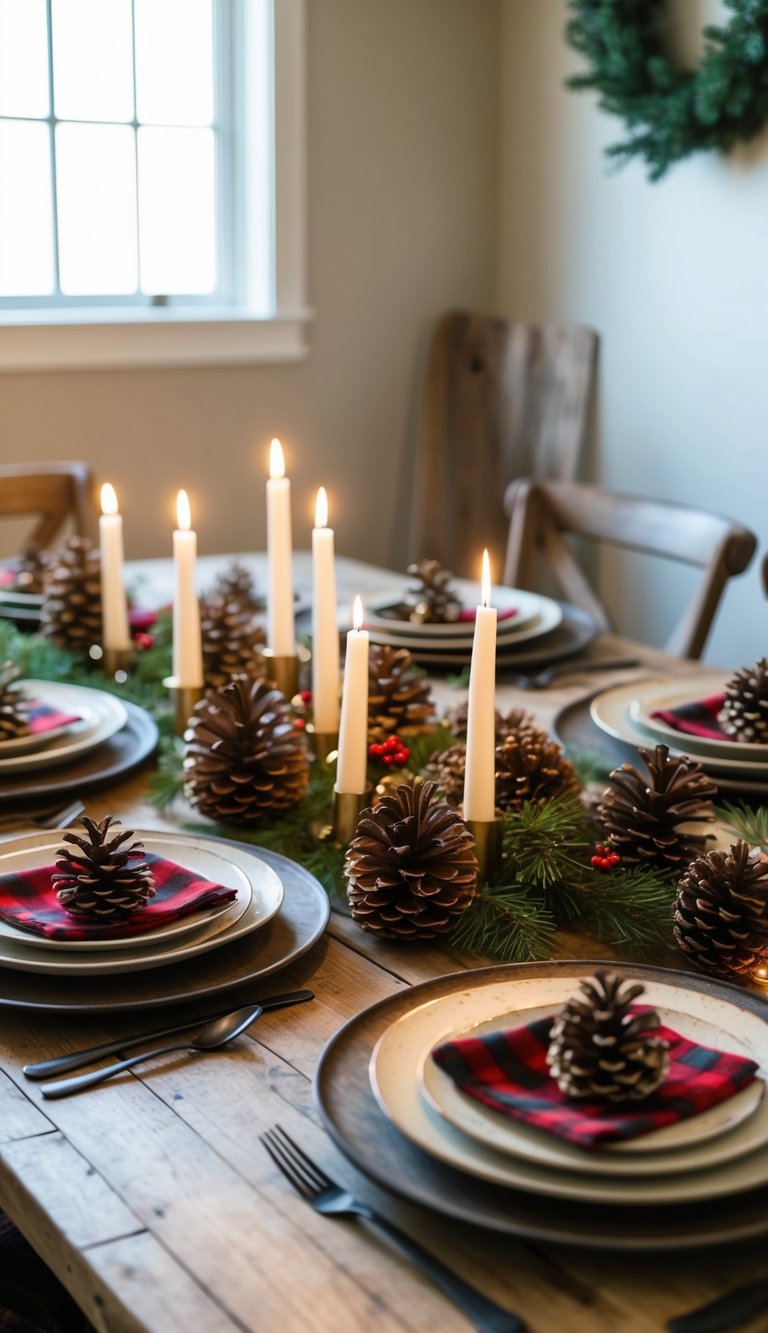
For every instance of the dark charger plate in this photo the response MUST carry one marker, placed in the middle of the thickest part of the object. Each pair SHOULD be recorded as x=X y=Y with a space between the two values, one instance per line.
x=364 y=1134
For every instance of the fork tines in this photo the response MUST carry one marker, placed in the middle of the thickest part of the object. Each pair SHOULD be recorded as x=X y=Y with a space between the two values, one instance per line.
x=305 y=1176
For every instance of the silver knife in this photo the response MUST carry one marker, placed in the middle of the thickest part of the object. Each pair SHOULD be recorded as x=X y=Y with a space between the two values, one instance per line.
x=61 y=1064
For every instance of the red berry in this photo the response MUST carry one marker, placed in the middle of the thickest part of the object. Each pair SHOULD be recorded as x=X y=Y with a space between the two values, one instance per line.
x=305 y=696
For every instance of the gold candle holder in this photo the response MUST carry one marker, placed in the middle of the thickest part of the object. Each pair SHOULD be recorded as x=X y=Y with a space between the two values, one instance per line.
x=488 y=835
x=322 y=743
x=183 y=698
x=284 y=671
x=347 y=806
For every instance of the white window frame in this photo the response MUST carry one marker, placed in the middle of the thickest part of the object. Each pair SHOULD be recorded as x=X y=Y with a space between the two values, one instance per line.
x=269 y=322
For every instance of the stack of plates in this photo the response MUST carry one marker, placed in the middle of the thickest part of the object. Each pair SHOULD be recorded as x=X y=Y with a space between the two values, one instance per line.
x=530 y=628
x=518 y=1179
x=626 y=713
x=24 y=608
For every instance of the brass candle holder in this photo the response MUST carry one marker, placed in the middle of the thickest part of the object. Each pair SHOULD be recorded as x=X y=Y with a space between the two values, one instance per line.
x=488 y=835
x=347 y=807
x=183 y=698
x=323 y=744
x=284 y=671
x=116 y=660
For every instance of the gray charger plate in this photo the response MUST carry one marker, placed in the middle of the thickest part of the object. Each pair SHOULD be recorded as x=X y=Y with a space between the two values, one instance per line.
x=575 y=632
x=359 y=1128
x=298 y=925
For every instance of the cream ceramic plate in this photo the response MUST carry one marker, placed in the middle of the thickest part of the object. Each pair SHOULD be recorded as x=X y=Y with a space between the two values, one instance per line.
x=672 y=694
x=399 y=1055
x=685 y=1146
x=527 y=606
x=609 y=711
x=40 y=740
x=549 y=618
x=105 y=716
x=234 y=867
x=208 y=864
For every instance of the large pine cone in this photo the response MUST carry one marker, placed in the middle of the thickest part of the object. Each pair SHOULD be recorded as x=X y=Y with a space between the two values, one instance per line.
x=94 y=877
x=643 y=816
x=244 y=758
x=744 y=714
x=71 y=612
x=599 y=1050
x=431 y=598
x=411 y=869
x=721 y=913
x=530 y=766
x=232 y=640
x=236 y=583
x=447 y=769
x=456 y=721
x=399 y=696
x=14 y=707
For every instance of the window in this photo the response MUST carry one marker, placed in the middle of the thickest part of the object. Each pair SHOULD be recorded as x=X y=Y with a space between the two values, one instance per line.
x=151 y=181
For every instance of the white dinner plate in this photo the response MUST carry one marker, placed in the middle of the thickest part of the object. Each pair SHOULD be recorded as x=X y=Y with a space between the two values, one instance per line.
x=686 y=1146
x=105 y=716
x=240 y=868
x=39 y=740
x=526 y=605
x=673 y=694
x=610 y=712
x=400 y=1052
x=547 y=619
x=208 y=864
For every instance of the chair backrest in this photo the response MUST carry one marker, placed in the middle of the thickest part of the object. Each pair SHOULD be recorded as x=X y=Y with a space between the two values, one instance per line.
x=51 y=493
x=501 y=400
x=541 y=515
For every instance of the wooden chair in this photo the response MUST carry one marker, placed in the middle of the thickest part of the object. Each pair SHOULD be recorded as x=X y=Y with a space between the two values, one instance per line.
x=542 y=514
x=501 y=400
x=52 y=494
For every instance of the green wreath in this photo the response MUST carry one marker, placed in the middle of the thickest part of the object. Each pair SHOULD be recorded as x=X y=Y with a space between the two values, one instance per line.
x=671 y=112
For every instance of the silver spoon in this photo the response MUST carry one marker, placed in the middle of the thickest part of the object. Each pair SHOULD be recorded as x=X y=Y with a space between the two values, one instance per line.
x=210 y=1038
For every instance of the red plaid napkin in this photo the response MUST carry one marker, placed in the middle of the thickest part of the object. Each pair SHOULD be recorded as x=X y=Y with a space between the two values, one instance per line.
x=28 y=900
x=470 y=613
x=698 y=718
x=507 y=1071
x=41 y=717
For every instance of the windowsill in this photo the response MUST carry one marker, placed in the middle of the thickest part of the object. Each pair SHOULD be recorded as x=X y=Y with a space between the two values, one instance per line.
x=101 y=339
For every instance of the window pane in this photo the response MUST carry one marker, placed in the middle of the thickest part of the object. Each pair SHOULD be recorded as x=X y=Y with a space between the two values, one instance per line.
x=96 y=197
x=92 y=52
x=177 y=216
x=23 y=58
x=26 y=228
x=174 y=62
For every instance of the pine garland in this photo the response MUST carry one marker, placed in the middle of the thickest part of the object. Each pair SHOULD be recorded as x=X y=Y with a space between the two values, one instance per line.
x=671 y=112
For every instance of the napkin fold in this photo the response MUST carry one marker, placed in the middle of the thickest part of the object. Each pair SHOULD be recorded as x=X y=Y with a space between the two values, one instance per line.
x=508 y=1072
x=697 y=718
x=42 y=717
x=28 y=901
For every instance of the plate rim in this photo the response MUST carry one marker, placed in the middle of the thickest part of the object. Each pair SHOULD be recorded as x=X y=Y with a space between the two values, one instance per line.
x=111 y=717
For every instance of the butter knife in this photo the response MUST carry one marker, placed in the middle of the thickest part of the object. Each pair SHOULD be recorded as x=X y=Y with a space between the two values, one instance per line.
x=61 y=1064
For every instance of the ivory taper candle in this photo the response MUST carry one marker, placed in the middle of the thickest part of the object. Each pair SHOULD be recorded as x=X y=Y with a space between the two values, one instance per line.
x=187 y=644
x=353 y=726
x=480 y=772
x=114 y=610
x=325 y=632
x=281 y=632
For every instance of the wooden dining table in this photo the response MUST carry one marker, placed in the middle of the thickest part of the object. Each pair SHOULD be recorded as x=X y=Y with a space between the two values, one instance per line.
x=153 y=1200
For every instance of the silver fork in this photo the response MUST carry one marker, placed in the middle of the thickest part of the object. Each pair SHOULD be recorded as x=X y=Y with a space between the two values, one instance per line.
x=328 y=1198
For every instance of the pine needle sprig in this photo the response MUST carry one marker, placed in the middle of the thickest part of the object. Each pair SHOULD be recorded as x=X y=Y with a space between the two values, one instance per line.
x=422 y=748
x=166 y=784
x=751 y=825
x=632 y=909
x=545 y=842
x=509 y=923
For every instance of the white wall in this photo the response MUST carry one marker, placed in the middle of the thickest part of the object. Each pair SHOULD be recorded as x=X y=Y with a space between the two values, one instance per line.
x=674 y=276
x=403 y=122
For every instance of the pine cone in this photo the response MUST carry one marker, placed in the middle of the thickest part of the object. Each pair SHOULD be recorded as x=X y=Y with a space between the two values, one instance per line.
x=721 y=913
x=456 y=721
x=643 y=816
x=14 y=707
x=530 y=766
x=447 y=769
x=71 y=613
x=244 y=756
x=399 y=696
x=744 y=714
x=600 y=1050
x=31 y=567
x=431 y=599
x=411 y=869
x=231 y=641
x=237 y=583
x=97 y=880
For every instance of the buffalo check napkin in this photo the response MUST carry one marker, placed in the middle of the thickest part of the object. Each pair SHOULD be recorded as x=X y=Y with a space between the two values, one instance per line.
x=507 y=1071
x=42 y=717
x=28 y=901
x=698 y=718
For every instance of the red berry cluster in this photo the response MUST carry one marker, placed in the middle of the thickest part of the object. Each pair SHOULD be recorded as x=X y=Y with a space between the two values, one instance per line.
x=605 y=858
x=390 y=752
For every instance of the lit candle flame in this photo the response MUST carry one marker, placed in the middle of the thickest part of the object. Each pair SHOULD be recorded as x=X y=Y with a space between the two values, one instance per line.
x=108 y=499
x=485 y=595
x=321 y=509
x=357 y=614
x=276 y=460
x=183 y=517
